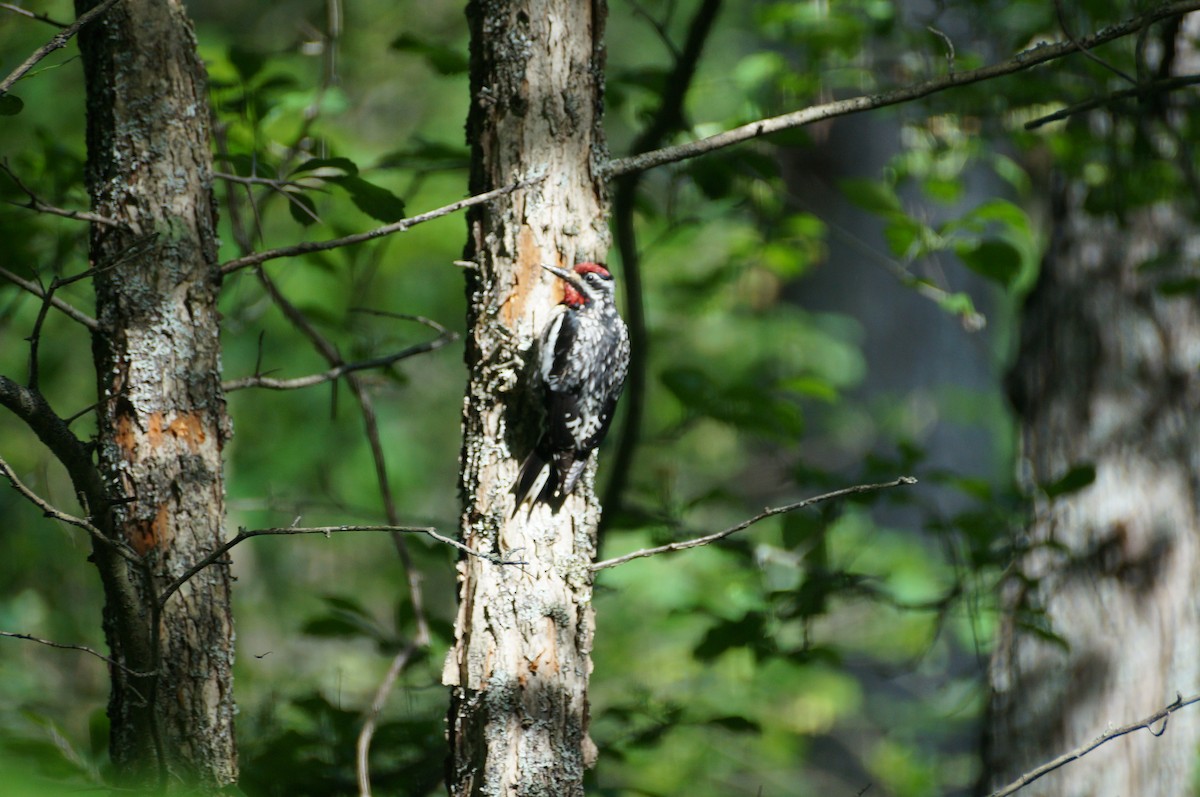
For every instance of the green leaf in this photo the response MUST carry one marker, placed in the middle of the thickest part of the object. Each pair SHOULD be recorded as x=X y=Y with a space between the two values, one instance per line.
x=996 y=259
x=345 y=604
x=346 y=618
x=958 y=304
x=944 y=190
x=1038 y=625
x=10 y=105
x=302 y=208
x=743 y=405
x=800 y=528
x=871 y=195
x=1077 y=478
x=1179 y=287
x=427 y=156
x=811 y=387
x=905 y=235
x=735 y=723
x=713 y=176
x=332 y=627
x=247 y=63
x=444 y=60
x=747 y=631
x=242 y=164
x=377 y=202
x=328 y=168
x=1003 y=212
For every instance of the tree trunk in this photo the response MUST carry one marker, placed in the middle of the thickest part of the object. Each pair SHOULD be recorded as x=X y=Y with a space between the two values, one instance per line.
x=1100 y=624
x=162 y=420
x=520 y=664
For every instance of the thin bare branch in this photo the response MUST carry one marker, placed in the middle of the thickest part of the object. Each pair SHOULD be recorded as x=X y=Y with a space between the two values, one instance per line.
x=1155 y=87
x=1024 y=60
x=1079 y=752
x=232 y=203
x=33 y=409
x=244 y=535
x=1062 y=25
x=36 y=290
x=258 y=381
x=288 y=189
x=27 y=13
x=35 y=203
x=60 y=40
x=340 y=370
x=267 y=181
x=35 y=337
x=53 y=512
x=309 y=247
x=659 y=26
x=80 y=648
x=363 y=748
x=946 y=40
x=745 y=524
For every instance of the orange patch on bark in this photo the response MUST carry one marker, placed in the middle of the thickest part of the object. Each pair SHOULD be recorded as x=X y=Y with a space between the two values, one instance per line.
x=147 y=534
x=126 y=434
x=527 y=266
x=154 y=429
x=189 y=428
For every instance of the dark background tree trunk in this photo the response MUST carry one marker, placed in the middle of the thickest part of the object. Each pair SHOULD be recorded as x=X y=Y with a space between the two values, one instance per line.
x=520 y=664
x=162 y=420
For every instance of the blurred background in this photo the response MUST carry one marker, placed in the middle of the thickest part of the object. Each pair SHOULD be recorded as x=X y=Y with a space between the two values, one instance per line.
x=826 y=307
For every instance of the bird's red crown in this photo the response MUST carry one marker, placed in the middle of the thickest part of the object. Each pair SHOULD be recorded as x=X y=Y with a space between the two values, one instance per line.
x=571 y=295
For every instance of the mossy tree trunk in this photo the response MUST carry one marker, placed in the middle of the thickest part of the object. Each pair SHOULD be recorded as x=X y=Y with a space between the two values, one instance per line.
x=161 y=415
x=521 y=660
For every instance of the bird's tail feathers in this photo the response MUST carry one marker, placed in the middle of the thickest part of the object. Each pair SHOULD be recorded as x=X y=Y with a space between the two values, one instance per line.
x=527 y=477
x=570 y=469
x=563 y=470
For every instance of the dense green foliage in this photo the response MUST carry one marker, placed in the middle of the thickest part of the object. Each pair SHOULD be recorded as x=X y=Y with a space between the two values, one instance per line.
x=817 y=652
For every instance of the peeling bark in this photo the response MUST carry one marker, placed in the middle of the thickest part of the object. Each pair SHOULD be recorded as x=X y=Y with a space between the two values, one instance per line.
x=520 y=664
x=162 y=420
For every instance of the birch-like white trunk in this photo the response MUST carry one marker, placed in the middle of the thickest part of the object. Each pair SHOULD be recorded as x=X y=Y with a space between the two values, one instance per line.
x=1108 y=375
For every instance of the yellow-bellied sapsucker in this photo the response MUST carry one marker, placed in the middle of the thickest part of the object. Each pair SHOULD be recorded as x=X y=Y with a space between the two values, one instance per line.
x=584 y=355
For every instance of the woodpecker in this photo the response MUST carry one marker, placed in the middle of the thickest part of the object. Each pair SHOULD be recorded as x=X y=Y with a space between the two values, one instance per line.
x=583 y=358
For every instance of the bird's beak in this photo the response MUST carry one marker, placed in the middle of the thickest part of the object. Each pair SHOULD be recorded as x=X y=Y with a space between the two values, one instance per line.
x=563 y=274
